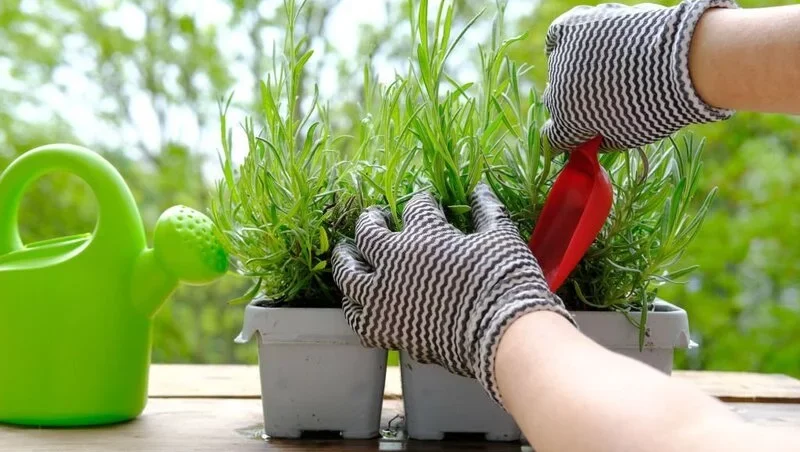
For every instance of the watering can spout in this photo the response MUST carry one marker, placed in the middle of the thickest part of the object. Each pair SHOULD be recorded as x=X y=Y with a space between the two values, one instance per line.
x=184 y=249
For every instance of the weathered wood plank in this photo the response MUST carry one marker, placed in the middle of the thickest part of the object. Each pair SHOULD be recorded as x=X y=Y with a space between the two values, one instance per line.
x=204 y=381
x=225 y=381
x=774 y=414
x=205 y=424
x=240 y=381
x=744 y=386
x=166 y=425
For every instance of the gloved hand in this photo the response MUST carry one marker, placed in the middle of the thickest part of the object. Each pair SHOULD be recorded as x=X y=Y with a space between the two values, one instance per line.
x=444 y=296
x=623 y=72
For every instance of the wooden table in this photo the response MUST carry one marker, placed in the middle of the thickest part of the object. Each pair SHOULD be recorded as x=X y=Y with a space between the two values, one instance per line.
x=217 y=408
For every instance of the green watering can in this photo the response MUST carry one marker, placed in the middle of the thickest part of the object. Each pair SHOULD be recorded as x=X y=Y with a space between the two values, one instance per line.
x=76 y=312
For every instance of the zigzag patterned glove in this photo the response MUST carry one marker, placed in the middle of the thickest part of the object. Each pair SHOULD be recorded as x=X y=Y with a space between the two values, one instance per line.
x=623 y=72
x=444 y=296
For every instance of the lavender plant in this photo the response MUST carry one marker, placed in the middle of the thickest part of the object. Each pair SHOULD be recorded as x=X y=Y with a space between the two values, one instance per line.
x=297 y=191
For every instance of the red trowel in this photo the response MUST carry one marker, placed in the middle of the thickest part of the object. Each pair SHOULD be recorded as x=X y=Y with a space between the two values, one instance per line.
x=573 y=214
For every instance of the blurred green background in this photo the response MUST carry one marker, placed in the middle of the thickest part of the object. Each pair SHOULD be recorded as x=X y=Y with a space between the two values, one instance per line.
x=140 y=83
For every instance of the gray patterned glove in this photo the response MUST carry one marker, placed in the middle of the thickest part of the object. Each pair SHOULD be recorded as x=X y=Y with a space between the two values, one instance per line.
x=623 y=72
x=444 y=296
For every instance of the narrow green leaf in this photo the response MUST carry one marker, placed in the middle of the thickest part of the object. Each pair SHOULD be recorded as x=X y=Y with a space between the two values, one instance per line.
x=249 y=295
x=324 y=245
x=643 y=323
x=459 y=209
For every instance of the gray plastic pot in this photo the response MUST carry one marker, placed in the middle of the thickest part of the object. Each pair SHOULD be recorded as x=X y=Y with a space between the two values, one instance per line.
x=438 y=402
x=315 y=374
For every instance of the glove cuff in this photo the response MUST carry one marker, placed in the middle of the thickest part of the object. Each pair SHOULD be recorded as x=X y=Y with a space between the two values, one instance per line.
x=502 y=319
x=689 y=13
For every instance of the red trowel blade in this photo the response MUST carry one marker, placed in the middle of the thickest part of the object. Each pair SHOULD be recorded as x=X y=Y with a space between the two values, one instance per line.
x=573 y=214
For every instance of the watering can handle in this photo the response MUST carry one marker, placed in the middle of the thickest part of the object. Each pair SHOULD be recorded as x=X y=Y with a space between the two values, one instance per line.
x=117 y=216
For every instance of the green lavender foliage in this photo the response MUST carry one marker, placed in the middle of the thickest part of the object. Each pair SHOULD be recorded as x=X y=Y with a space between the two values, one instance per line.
x=425 y=130
x=276 y=212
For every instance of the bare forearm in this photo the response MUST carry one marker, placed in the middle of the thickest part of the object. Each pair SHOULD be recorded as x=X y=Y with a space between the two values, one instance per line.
x=748 y=59
x=568 y=393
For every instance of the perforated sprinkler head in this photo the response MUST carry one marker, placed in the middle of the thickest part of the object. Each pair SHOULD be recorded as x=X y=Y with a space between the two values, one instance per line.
x=186 y=246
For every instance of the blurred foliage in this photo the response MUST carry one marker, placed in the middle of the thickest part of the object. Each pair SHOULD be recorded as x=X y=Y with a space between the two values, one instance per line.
x=51 y=47
x=173 y=66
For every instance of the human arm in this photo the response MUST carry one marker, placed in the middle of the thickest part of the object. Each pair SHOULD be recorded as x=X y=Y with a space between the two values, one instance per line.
x=569 y=393
x=748 y=59
x=478 y=305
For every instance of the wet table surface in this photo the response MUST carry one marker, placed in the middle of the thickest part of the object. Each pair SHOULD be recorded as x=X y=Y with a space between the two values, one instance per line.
x=217 y=408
